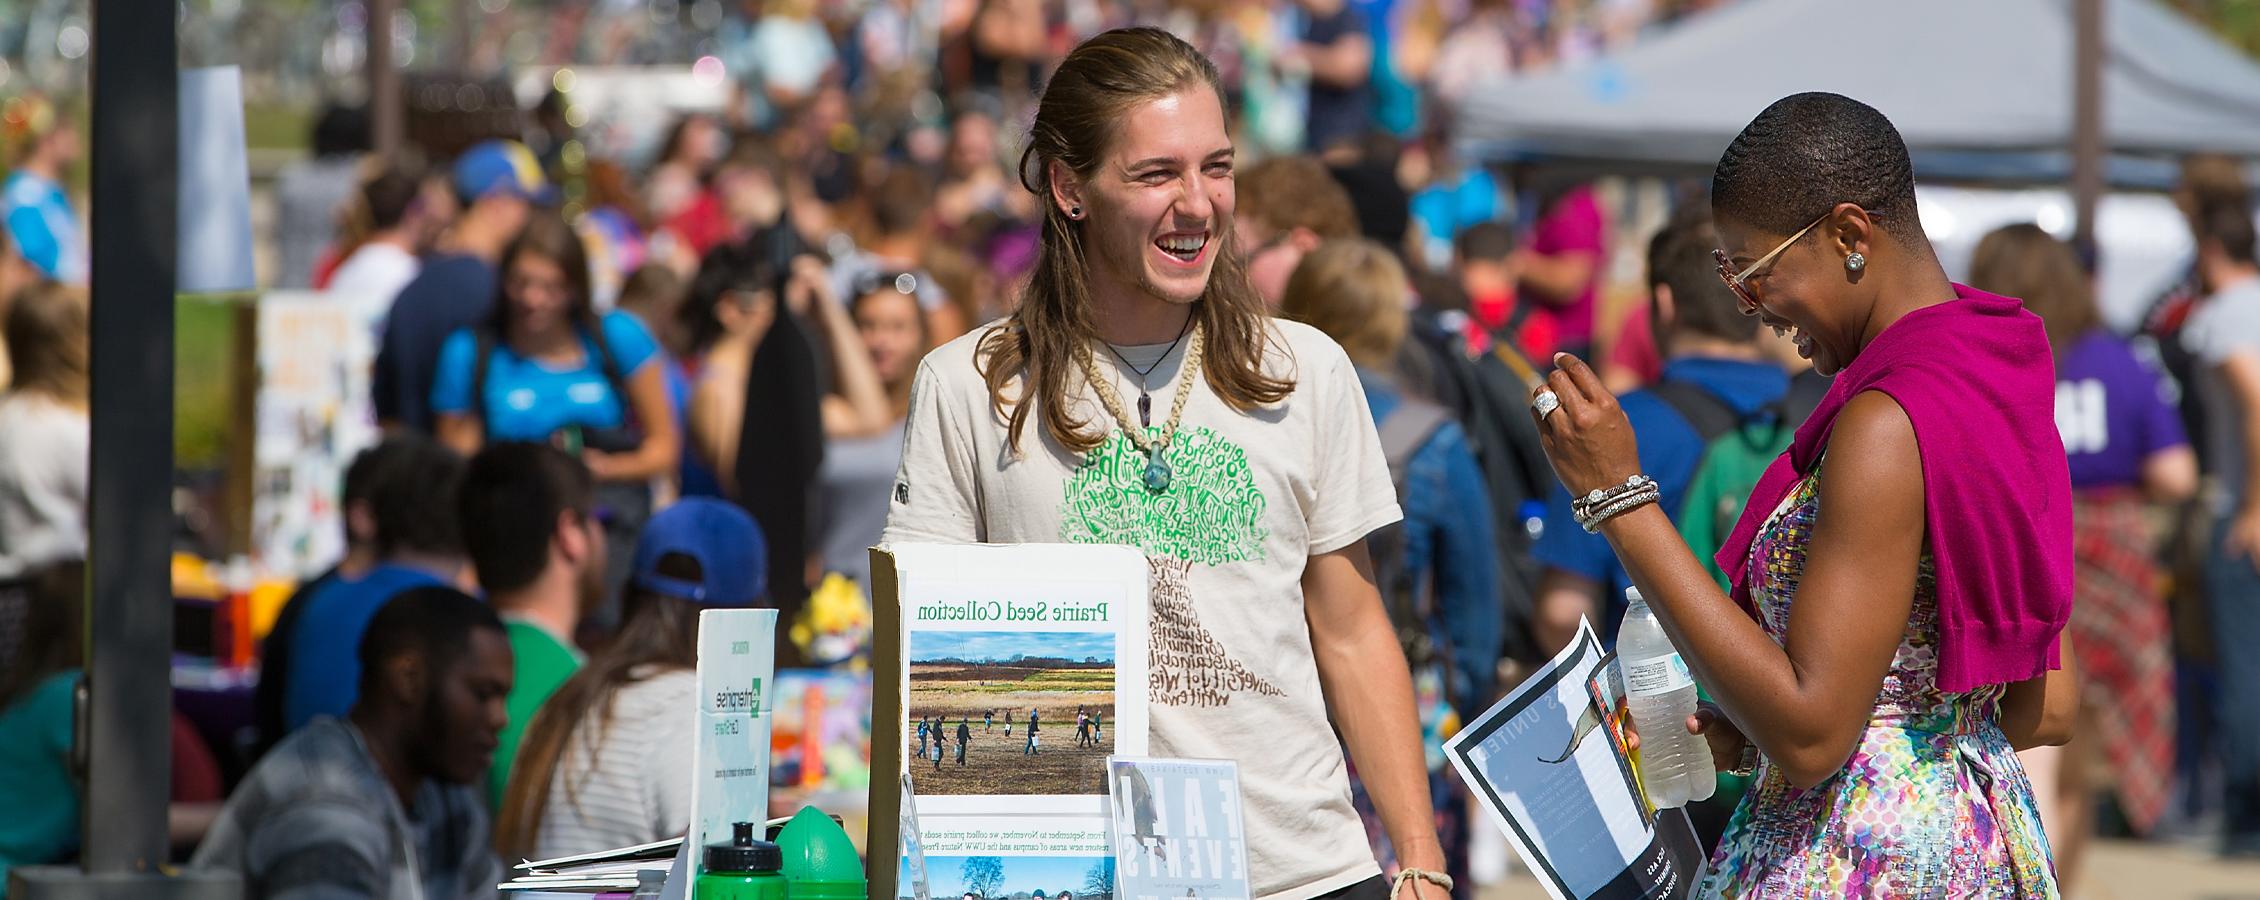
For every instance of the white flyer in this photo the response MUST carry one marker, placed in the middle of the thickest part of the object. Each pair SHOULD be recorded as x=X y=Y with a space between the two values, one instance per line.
x=736 y=675
x=1548 y=765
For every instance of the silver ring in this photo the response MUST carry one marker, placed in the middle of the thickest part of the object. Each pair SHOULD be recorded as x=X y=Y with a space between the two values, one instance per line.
x=1545 y=403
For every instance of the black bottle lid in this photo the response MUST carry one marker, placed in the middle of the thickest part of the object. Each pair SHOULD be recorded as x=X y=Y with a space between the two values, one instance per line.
x=744 y=854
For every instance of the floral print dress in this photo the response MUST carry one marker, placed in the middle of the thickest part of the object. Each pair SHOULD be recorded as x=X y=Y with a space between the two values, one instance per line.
x=1932 y=801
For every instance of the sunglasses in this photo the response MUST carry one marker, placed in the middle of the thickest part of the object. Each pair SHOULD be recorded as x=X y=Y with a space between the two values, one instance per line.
x=905 y=283
x=1739 y=281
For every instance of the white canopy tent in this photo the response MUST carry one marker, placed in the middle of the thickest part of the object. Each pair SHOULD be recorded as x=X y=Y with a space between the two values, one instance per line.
x=1980 y=90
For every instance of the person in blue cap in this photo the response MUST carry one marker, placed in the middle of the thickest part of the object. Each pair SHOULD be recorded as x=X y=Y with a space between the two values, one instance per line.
x=602 y=764
x=498 y=184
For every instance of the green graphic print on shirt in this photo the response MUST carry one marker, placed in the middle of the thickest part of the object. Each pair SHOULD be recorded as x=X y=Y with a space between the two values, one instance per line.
x=1212 y=514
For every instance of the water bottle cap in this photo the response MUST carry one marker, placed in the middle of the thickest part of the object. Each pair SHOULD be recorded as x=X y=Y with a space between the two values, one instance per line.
x=743 y=853
x=1632 y=597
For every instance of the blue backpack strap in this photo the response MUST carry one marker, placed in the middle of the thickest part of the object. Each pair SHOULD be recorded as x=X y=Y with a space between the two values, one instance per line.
x=481 y=359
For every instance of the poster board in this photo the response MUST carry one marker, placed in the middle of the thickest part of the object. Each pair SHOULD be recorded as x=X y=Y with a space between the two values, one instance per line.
x=975 y=638
x=312 y=416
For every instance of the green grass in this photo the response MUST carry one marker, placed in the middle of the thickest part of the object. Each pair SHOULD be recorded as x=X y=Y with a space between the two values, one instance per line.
x=1056 y=680
x=203 y=345
x=1082 y=677
x=277 y=127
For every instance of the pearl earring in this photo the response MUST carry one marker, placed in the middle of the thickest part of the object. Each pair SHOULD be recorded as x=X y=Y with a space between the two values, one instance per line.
x=1855 y=262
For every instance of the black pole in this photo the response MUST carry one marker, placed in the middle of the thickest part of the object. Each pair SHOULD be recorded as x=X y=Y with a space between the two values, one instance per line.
x=125 y=720
x=136 y=77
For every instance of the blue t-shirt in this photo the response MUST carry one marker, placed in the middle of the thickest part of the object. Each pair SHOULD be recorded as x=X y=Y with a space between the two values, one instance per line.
x=42 y=825
x=1448 y=208
x=325 y=653
x=41 y=223
x=1670 y=449
x=451 y=291
x=527 y=400
x=2112 y=412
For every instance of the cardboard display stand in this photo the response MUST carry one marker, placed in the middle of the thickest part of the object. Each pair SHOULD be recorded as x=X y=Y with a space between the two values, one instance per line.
x=970 y=643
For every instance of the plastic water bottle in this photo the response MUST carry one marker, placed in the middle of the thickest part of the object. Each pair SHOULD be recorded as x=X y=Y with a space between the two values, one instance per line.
x=1675 y=766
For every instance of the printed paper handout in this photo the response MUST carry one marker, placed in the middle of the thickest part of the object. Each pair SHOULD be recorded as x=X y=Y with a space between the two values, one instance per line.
x=1004 y=708
x=1177 y=829
x=1548 y=763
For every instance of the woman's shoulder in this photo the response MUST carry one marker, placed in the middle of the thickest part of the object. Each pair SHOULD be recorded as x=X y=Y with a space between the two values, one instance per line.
x=622 y=325
x=2103 y=354
x=459 y=346
x=655 y=691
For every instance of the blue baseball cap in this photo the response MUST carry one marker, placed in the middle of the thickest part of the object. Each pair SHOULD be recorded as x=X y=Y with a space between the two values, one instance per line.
x=501 y=166
x=731 y=554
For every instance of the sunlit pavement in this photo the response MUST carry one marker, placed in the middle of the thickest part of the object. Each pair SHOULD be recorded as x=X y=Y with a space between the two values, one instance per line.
x=2115 y=870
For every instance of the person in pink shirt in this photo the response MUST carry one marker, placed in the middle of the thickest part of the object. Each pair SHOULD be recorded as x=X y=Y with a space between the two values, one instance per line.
x=1560 y=264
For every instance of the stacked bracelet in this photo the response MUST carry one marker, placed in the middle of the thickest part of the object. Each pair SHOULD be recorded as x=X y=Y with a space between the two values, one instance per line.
x=1600 y=498
x=1617 y=505
x=1748 y=762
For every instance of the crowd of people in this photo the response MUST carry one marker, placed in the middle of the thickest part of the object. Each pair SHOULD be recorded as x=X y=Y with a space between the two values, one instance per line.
x=617 y=391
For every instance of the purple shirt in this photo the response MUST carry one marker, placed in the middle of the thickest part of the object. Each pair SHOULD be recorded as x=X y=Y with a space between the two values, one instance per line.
x=2112 y=412
x=1574 y=224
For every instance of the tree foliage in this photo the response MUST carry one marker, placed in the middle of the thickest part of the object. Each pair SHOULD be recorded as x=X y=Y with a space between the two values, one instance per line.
x=1099 y=881
x=982 y=875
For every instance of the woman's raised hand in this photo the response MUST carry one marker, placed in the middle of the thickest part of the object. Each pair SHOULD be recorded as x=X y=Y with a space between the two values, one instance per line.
x=1585 y=434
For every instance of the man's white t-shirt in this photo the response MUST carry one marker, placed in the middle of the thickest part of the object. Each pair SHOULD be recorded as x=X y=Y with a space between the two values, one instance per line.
x=1252 y=496
x=372 y=276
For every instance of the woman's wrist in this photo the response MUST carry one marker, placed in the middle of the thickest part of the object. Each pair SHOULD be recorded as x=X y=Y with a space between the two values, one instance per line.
x=1621 y=525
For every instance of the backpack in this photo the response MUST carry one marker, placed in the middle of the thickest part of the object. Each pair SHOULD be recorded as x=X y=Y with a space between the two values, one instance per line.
x=1488 y=396
x=1405 y=593
x=1736 y=452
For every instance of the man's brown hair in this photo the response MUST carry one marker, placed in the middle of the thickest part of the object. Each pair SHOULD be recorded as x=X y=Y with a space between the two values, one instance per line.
x=1284 y=193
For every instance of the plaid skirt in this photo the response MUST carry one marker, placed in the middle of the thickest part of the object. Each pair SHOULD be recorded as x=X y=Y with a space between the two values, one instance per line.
x=2124 y=637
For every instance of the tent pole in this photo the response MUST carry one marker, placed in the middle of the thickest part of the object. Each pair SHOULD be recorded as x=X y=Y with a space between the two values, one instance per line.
x=384 y=80
x=124 y=709
x=2087 y=121
x=134 y=176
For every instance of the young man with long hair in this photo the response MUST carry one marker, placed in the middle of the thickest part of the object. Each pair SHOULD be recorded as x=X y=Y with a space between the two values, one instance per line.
x=1171 y=414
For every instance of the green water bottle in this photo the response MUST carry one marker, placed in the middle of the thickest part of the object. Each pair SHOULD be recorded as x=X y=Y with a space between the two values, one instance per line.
x=820 y=861
x=743 y=869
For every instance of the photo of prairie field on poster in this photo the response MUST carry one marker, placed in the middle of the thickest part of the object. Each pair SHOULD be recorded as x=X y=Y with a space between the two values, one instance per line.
x=1010 y=712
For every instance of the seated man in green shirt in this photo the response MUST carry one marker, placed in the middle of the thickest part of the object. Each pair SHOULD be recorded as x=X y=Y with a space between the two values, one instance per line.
x=527 y=513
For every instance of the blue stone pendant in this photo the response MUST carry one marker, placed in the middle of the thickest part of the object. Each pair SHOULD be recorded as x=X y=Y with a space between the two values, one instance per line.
x=1157 y=473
